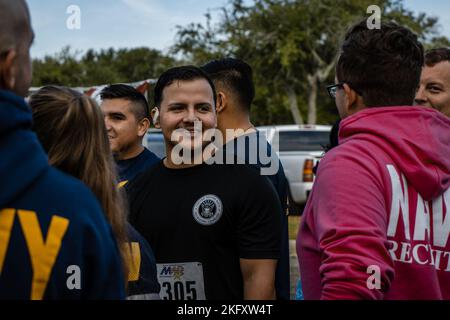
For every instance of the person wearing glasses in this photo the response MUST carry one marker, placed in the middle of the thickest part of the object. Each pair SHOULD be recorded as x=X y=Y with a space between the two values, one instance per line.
x=376 y=224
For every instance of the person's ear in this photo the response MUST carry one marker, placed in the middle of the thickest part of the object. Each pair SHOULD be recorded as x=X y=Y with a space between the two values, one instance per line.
x=155 y=117
x=221 y=102
x=7 y=70
x=143 y=127
x=350 y=99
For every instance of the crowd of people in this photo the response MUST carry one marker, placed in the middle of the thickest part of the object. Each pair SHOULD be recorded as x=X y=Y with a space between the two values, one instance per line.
x=87 y=212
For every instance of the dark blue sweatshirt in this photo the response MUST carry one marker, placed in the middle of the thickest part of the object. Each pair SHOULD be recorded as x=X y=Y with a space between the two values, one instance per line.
x=54 y=240
x=142 y=281
x=130 y=168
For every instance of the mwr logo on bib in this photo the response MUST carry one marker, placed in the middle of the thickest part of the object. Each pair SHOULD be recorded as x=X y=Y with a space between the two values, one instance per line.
x=181 y=281
x=207 y=210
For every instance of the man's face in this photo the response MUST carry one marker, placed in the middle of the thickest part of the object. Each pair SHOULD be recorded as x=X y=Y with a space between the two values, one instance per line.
x=340 y=100
x=24 y=66
x=124 y=131
x=18 y=64
x=184 y=104
x=434 y=89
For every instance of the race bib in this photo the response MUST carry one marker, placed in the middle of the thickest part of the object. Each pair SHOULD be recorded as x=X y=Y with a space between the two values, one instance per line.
x=181 y=281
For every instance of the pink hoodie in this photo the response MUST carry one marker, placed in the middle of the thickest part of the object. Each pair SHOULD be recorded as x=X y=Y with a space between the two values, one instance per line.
x=377 y=223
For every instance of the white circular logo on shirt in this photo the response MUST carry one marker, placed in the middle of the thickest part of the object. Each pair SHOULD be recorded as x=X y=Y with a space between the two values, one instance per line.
x=207 y=210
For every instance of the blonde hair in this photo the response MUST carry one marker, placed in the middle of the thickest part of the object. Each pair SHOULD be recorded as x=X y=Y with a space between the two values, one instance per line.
x=71 y=129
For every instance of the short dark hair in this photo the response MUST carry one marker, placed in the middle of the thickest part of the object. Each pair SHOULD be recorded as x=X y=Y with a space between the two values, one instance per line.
x=434 y=56
x=384 y=65
x=235 y=75
x=123 y=91
x=183 y=73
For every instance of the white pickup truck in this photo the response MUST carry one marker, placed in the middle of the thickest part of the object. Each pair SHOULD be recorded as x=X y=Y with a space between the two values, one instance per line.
x=299 y=147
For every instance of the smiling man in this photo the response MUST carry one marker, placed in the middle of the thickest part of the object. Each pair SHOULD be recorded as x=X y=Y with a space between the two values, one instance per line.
x=215 y=229
x=434 y=90
x=127 y=120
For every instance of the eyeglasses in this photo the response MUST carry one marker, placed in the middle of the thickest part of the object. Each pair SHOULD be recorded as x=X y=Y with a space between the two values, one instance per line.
x=334 y=88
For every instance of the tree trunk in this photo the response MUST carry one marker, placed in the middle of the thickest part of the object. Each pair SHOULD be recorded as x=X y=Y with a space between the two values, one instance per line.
x=293 y=105
x=319 y=76
x=312 y=99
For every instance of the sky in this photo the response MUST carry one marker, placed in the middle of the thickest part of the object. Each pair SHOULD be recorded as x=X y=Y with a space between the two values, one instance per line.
x=136 y=23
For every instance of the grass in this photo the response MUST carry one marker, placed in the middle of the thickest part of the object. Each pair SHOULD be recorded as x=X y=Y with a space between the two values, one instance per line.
x=293 y=222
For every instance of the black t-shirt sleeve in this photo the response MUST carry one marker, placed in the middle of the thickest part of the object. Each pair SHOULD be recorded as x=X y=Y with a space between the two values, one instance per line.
x=259 y=219
x=136 y=193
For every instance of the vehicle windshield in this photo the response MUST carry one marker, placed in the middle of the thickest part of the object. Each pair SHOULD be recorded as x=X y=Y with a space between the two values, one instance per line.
x=302 y=140
x=155 y=143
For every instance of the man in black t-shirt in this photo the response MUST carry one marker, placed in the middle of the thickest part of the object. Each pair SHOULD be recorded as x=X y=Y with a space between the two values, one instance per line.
x=214 y=229
x=127 y=119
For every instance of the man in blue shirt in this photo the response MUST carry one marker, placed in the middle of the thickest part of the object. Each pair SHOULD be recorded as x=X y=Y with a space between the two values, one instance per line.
x=127 y=120
x=235 y=92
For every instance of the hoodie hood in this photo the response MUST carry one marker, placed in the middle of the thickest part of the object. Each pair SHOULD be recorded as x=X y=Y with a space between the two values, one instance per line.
x=22 y=159
x=416 y=138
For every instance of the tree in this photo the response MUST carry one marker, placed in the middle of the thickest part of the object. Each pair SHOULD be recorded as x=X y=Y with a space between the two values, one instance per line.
x=291 y=45
x=61 y=69
x=437 y=42
x=73 y=69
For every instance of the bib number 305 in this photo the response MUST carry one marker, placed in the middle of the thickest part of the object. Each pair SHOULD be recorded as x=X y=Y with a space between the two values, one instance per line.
x=181 y=281
x=179 y=290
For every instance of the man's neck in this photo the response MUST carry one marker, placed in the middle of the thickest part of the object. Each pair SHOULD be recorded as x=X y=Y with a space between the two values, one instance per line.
x=130 y=153
x=168 y=162
x=240 y=127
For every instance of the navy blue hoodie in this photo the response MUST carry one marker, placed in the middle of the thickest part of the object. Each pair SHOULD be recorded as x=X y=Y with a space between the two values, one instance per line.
x=54 y=240
x=130 y=168
x=142 y=281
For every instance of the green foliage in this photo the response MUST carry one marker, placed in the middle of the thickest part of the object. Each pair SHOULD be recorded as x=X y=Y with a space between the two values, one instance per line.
x=290 y=44
x=437 y=42
x=69 y=68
